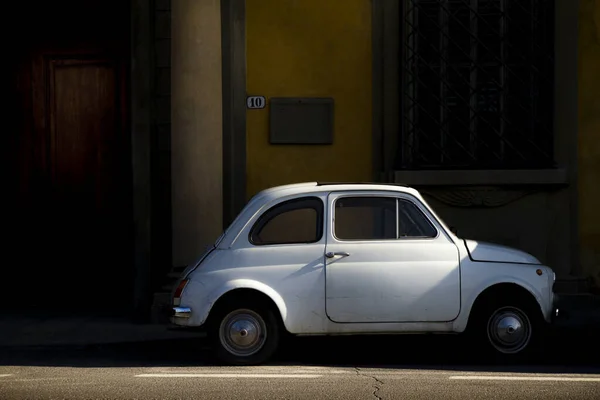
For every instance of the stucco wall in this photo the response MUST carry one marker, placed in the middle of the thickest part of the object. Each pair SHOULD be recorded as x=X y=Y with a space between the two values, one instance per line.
x=196 y=121
x=310 y=48
x=589 y=136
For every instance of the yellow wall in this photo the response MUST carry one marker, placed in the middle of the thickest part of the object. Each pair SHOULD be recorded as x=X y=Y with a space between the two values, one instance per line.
x=589 y=136
x=310 y=48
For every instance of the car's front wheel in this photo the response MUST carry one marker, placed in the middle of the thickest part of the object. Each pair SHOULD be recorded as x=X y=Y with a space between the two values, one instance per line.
x=509 y=330
x=244 y=335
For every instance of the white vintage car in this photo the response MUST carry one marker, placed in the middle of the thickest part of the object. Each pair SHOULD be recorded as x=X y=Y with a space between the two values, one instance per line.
x=332 y=259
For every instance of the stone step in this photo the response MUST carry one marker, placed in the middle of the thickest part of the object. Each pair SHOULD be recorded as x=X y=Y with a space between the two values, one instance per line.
x=578 y=311
x=161 y=304
x=572 y=285
x=579 y=319
x=167 y=287
x=580 y=301
x=172 y=276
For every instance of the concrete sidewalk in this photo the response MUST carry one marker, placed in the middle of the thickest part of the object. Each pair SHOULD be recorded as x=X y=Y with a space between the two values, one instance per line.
x=80 y=331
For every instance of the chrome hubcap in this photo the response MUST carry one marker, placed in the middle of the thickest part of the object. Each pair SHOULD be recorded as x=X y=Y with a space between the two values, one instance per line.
x=509 y=330
x=243 y=333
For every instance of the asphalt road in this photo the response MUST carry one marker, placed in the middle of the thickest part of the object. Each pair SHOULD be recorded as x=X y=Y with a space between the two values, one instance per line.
x=290 y=382
x=343 y=368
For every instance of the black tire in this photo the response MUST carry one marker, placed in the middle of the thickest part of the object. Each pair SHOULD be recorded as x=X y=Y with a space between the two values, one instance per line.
x=507 y=330
x=244 y=333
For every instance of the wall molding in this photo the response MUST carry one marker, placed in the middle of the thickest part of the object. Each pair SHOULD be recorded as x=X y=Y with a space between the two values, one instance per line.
x=479 y=197
x=482 y=177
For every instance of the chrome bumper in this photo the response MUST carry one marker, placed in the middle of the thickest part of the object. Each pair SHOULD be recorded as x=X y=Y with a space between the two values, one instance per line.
x=181 y=312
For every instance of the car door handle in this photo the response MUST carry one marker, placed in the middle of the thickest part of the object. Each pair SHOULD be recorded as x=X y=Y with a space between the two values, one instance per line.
x=331 y=254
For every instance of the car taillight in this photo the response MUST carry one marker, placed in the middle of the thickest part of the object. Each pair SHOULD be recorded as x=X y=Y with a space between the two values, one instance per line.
x=179 y=291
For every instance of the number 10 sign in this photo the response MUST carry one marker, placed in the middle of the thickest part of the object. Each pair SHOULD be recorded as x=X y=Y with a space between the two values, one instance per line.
x=256 y=102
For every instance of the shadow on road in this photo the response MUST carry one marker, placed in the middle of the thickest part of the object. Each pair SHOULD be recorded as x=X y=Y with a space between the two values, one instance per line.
x=578 y=352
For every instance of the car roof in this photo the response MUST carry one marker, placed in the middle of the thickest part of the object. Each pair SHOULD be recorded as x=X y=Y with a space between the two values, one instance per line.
x=313 y=187
x=266 y=196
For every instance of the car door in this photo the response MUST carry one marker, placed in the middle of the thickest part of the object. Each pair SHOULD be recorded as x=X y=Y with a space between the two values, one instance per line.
x=388 y=260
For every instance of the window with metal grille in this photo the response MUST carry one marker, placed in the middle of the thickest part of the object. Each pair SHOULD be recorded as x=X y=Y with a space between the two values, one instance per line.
x=477 y=84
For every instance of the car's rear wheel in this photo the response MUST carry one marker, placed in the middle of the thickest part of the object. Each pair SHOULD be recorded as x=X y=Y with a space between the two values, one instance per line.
x=245 y=335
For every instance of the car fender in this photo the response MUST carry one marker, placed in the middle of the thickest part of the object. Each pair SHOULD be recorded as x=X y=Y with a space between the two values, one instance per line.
x=228 y=286
x=460 y=323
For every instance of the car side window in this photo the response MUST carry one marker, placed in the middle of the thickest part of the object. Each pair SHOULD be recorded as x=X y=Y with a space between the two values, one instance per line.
x=291 y=222
x=380 y=218
x=365 y=218
x=412 y=223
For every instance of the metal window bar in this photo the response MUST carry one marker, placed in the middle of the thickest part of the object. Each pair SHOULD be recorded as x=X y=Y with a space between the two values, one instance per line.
x=444 y=33
x=498 y=113
x=532 y=75
x=412 y=50
x=429 y=115
x=473 y=78
x=433 y=118
x=503 y=80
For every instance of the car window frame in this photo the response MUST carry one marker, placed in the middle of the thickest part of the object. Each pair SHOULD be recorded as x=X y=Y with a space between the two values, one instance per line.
x=270 y=213
x=398 y=198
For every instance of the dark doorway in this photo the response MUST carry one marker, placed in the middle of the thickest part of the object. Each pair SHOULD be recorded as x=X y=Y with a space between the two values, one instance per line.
x=70 y=225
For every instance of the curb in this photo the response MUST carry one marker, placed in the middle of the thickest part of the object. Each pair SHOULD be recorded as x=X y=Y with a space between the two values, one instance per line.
x=94 y=345
x=83 y=343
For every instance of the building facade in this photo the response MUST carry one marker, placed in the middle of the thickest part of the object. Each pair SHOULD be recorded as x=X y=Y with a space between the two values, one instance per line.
x=135 y=142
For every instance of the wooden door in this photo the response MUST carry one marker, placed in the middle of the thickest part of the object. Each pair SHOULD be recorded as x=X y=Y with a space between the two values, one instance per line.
x=86 y=215
x=71 y=243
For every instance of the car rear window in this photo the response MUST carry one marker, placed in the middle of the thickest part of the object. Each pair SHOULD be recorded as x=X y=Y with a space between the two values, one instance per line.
x=291 y=222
